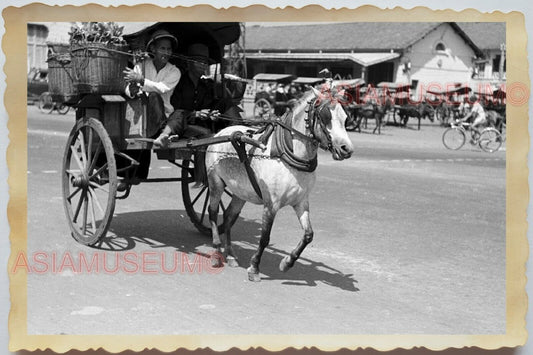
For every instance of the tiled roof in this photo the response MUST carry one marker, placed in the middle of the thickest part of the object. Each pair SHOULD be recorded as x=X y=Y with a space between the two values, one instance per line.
x=486 y=35
x=382 y=36
x=357 y=36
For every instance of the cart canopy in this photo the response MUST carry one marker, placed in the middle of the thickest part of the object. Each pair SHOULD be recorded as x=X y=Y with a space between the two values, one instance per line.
x=395 y=87
x=278 y=78
x=349 y=84
x=459 y=89
x=213 y=34
x=305 y=80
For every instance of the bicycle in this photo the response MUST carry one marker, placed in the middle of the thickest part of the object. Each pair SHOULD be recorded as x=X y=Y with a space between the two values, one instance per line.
x=48 y=105
x=489 y=139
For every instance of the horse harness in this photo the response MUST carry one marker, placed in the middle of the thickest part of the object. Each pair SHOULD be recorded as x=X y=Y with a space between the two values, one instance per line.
x=282 y=134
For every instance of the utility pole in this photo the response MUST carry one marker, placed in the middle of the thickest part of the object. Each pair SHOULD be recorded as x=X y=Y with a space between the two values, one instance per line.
x=502 y=60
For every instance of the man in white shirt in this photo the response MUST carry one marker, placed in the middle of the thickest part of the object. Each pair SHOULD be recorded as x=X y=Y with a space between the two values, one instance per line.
x=477 y=113
x=155 y=75
x=157 y=78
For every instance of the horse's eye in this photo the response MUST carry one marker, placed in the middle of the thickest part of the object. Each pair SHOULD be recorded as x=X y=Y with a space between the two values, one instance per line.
x=325 y=115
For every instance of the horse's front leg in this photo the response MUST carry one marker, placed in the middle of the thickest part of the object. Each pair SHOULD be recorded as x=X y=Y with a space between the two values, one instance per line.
x=378 y=124
x=302 y=211
x=216 y=188
x=268 y=219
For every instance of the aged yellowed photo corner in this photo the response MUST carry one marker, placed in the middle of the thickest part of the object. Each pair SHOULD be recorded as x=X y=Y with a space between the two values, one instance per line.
x=415 y=245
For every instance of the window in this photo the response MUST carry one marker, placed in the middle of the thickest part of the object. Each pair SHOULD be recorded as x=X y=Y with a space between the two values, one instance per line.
x=496 y=63
x=480 y=70
x=440 y=47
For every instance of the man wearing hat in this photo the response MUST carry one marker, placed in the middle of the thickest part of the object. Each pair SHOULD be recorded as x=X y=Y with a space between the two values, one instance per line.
x=194 y=99
x=156 y=74
x=477 y=113
x=157 y=78
x=196 y=105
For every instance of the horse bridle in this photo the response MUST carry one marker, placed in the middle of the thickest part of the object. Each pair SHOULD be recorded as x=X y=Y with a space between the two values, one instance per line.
x=316 y=117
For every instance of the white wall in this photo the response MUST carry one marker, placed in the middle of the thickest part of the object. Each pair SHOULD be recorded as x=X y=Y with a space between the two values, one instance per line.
x=431 y=66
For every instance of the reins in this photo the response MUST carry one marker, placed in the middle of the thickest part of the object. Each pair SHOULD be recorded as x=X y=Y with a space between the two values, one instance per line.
x=312 y=119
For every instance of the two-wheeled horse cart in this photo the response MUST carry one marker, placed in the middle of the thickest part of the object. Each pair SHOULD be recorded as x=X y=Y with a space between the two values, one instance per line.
x=111 y=128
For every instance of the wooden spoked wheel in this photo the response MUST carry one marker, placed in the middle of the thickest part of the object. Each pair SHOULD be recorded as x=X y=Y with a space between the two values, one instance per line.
x=62 y=108
x=490 y=140
x=46 y=104
x=89 y=181
x=262 y=109
x=196 y=200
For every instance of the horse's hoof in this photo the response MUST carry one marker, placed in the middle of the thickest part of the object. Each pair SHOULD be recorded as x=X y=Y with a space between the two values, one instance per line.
x=232 y=262
x=253 y=275
x=216 y=260
x=284 y=265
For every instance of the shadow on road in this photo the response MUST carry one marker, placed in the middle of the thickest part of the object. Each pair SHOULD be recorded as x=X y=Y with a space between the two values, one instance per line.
x=305 y=272
x=158 y=229
x=168 y=229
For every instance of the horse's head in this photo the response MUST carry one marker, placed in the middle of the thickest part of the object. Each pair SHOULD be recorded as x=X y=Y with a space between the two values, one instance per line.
x=327 y=122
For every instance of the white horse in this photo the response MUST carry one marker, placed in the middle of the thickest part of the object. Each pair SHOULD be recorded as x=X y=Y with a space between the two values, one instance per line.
x=284 y=172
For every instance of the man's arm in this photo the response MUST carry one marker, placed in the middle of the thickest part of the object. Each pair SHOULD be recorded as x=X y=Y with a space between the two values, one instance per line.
x=133 y=77
x=168 y=83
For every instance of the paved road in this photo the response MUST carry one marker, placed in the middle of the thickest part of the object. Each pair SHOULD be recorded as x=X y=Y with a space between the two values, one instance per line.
x=409 y=238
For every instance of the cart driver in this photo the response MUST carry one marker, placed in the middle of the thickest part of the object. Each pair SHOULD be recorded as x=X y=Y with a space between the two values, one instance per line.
x=194 y=100
x=196 y=106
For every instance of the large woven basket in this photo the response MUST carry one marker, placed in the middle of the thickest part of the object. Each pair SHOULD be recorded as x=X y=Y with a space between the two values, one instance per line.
x=61 y=78
x=60 y=74
x=98 y=68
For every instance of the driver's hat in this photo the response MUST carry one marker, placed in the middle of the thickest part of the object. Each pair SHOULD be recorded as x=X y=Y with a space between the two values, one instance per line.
x=199 y=51
x=162 y=34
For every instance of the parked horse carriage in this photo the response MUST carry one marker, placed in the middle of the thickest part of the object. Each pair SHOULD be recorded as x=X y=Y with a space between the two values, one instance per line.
x=275 y=91
x=271 y=97
x=111 y=127
x=364 y=103
x=447 y=102
x=404 y=106
x=497 y=104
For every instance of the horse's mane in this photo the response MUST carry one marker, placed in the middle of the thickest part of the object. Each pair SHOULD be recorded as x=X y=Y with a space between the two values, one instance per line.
x=299 y=104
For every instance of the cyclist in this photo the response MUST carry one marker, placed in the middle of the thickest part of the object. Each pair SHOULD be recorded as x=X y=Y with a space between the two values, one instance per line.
x=477 y=113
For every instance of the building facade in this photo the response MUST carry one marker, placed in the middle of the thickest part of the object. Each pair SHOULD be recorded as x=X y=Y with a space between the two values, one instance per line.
x=420 y=54
x=41 y=33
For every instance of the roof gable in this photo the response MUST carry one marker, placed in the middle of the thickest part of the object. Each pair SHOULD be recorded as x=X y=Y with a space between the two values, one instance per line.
x=357 y=36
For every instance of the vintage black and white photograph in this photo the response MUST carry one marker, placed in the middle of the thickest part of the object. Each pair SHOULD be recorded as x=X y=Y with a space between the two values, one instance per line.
x=267 y=178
